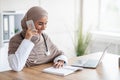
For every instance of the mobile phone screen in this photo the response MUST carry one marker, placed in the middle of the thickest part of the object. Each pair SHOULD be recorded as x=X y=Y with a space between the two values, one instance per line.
x=30 y=24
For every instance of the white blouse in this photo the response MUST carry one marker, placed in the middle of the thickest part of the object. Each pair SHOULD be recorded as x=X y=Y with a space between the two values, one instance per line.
x=17 y=61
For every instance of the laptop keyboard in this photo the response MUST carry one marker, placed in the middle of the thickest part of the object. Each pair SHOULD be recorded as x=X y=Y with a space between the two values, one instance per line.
x=89 y=63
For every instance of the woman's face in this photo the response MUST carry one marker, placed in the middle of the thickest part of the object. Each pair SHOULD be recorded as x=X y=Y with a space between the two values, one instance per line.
x=41 y=24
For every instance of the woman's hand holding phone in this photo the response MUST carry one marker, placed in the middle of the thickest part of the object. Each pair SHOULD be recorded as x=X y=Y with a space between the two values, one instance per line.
x=30 y=33
x=31 y=30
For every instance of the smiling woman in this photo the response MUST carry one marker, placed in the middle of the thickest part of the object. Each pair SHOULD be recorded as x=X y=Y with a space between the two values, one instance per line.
x=61 y=20
x=32 y=47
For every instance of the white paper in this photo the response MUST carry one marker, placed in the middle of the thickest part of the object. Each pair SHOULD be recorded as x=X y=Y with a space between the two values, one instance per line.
x=62 y=71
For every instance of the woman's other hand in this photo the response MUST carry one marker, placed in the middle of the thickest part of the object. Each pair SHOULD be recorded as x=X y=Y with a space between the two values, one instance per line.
x=58 y=64
x=30 y=33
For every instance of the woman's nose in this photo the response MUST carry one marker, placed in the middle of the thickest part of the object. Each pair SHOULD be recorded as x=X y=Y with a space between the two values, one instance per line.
x=44 y=27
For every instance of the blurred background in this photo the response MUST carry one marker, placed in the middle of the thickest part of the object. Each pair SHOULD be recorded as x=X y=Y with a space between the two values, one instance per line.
x=67 y=19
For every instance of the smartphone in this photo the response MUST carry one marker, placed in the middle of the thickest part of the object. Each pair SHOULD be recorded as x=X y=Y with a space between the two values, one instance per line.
x=30 y=24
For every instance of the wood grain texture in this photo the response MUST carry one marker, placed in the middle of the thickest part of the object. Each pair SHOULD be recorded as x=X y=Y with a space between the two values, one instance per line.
x=107 y=70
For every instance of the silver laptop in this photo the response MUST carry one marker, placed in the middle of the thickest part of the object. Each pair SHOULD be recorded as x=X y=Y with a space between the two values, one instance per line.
x=90 y=63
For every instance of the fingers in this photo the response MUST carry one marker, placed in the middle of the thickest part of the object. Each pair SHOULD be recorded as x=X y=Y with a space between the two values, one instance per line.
x=58 y=64
x=34 y=31
x=30 y=33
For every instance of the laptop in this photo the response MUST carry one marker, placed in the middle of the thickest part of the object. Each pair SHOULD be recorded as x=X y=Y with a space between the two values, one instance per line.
x=90 y=63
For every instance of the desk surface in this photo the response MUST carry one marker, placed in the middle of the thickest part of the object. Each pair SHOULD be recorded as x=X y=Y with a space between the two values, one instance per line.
x=107 y=70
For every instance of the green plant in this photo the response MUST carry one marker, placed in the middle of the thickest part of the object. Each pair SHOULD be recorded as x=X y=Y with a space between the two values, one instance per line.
x=16 y=30
x=83 y=41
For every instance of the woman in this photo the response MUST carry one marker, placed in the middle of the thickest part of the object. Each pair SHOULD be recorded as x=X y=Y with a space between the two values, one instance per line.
x=33 y=47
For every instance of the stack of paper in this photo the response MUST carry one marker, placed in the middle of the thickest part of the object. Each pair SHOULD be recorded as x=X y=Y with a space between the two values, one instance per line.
x=62 y=71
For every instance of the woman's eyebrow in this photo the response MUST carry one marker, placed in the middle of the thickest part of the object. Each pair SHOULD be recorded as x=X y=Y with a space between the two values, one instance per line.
x=43 y=22
x=40 y=22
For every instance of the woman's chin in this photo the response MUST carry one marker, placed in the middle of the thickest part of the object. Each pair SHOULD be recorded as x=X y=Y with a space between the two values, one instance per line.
x=39 y=32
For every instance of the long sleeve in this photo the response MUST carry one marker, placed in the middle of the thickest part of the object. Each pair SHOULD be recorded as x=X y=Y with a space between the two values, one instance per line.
x=17 y=61
x=61 y=57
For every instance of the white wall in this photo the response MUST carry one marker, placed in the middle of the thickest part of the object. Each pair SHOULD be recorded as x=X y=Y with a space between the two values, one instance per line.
x=61 y=25
x=4 y=65
x=102 y=39
x=12 y=5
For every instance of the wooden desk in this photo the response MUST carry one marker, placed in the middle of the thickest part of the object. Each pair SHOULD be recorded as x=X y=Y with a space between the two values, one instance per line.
x=107 y=70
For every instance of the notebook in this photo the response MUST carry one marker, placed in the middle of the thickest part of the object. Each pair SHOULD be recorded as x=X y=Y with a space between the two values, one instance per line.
x=66 y=70
x=90 y=63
